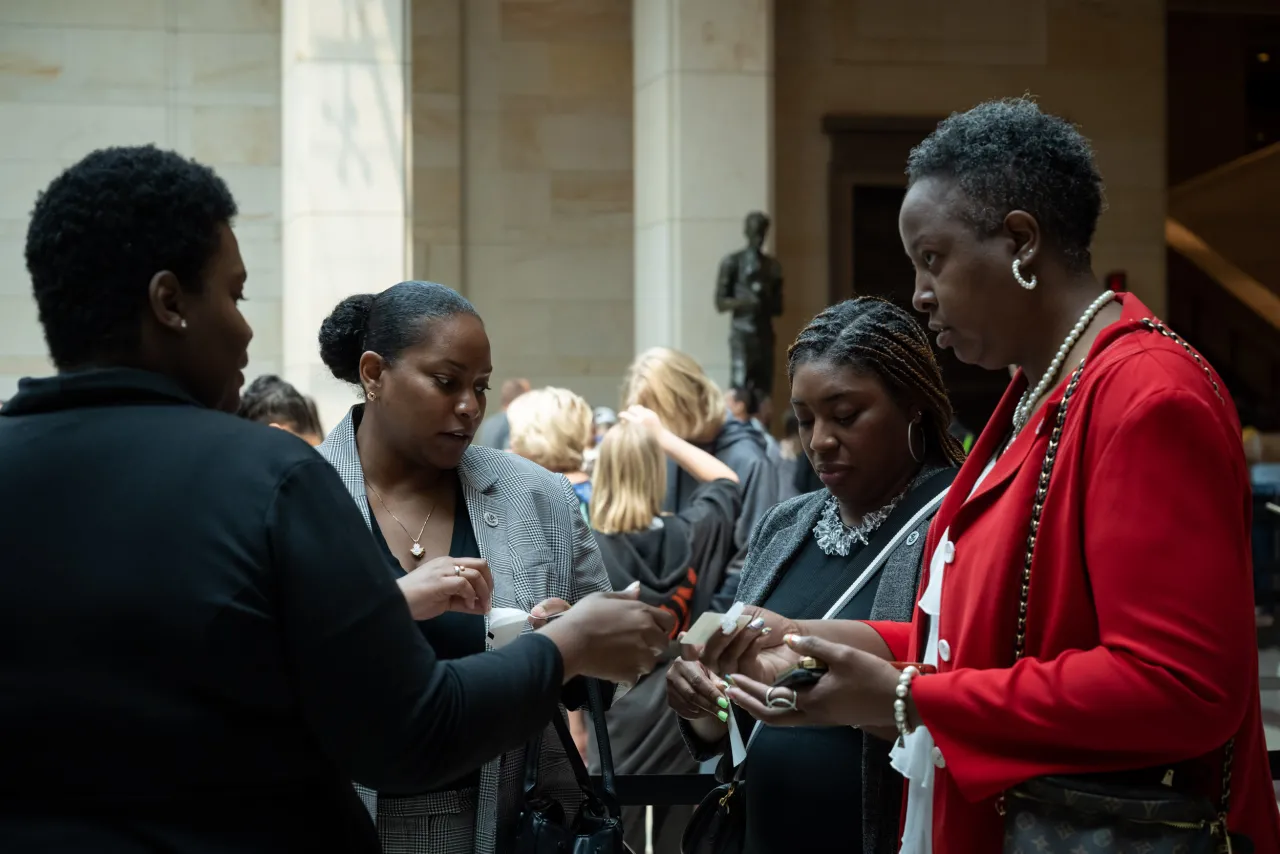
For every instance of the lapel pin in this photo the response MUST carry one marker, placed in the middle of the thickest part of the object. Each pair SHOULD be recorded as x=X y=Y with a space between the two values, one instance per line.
x=491 y=519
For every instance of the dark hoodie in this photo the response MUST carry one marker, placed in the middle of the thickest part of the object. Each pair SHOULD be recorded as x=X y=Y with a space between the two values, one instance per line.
x=669 y=561
x=742 y=448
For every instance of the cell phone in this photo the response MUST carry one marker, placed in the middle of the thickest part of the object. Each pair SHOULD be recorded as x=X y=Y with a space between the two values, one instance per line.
x=804 y=674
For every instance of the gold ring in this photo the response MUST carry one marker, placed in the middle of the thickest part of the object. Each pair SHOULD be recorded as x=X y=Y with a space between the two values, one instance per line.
x=457 y=570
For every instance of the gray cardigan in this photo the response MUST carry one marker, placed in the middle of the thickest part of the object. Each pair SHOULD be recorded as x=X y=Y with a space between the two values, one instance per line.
x=775 y=541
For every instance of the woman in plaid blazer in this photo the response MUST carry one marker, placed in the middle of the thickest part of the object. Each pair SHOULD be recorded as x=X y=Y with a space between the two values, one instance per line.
x=421 y=356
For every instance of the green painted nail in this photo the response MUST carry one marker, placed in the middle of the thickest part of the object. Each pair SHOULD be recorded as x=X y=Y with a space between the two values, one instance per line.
x=722 y=702
x=723 y=716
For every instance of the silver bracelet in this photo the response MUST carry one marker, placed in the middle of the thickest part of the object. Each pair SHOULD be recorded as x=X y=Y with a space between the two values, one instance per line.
x=902 y=693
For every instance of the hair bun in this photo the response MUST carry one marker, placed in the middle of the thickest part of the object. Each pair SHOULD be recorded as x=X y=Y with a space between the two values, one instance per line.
x=342 y=337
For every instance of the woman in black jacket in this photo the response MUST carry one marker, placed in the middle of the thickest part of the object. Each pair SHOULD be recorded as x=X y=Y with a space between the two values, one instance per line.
x=200 y=646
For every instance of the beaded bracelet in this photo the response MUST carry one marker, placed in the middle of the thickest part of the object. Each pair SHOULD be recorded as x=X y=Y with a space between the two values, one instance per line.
x=902 y=693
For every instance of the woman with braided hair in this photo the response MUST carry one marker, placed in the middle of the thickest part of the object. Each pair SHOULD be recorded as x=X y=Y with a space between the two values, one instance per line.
x=873 y=417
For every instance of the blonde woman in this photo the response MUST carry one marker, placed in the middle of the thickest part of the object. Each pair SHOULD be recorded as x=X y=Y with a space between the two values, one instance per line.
x=669 y=556
x=553 y=427
x=689 y=403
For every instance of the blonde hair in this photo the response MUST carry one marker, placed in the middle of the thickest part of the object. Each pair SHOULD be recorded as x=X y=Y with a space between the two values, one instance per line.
x=674 y=386
x=630 y=480
x=551 y=427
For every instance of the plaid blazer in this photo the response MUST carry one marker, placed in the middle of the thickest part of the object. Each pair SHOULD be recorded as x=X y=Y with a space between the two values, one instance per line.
x=530 y=530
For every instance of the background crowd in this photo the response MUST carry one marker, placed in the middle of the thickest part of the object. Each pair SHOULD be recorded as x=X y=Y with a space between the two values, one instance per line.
x=245 y=624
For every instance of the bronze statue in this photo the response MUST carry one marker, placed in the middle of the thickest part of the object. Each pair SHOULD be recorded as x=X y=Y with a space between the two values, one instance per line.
x=750 y=286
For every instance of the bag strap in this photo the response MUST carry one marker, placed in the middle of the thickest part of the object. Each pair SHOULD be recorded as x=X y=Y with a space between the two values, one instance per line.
x=595 y=707
x=533 y=751
x=1037 y=510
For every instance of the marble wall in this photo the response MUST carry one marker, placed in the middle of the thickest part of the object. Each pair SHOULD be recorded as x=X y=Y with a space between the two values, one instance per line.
x=1098 y=62
x=436 y=80
x=345 y=183
x=703 y=80
x=197 y=76
x=523 y=179
x=522 y=135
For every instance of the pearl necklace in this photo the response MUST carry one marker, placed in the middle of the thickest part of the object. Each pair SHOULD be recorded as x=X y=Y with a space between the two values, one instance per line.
x=1029 y=399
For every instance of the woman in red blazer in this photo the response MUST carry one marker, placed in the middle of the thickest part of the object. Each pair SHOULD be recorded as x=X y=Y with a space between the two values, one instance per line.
x=1139 y=635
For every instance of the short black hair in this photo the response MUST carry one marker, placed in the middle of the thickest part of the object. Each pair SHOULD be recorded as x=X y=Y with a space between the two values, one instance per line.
x=1007 y=155
x=872 y=334
x=387 y=324
x=269 y=399
x=100 y=232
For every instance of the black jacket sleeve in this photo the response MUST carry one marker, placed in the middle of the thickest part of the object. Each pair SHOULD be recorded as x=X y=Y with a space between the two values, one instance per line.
x=759 y=485
x=369 y=686
x=713 y=510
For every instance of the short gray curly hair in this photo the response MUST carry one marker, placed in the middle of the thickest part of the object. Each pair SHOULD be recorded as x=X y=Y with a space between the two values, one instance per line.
x=1007 y=155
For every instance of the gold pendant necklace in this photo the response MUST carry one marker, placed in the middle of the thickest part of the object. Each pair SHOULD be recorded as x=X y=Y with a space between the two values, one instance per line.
x=416 y=550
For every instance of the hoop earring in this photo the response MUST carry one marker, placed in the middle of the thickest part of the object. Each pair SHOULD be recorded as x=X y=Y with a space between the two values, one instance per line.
x=911 y=445
x=1018 y=277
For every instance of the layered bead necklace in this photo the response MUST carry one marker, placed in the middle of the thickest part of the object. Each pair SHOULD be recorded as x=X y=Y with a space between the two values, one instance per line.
x=1027 y=403
x=836 y=539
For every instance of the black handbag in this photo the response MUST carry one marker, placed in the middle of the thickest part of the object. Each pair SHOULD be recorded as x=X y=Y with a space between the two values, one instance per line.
x=1107 y=813
x=598 y=826
x=719 y=824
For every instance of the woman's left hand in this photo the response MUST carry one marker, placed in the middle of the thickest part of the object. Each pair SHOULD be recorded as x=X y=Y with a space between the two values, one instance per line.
x=748 y=649
x=461 y=584
x=858 y=689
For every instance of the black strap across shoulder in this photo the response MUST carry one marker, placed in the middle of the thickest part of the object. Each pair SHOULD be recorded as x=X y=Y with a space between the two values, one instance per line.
x=533 y=751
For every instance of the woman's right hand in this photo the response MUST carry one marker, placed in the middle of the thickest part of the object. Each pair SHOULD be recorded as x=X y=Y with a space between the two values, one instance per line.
x=611 y=636
x=643 y=416
x=694 y=693
x=461 y=584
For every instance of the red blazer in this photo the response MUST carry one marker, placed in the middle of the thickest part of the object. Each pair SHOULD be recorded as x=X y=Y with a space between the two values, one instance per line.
x=1141 y=646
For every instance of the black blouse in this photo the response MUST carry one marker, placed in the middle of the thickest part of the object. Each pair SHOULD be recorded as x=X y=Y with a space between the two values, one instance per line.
x=796 y=774
x=451 y=635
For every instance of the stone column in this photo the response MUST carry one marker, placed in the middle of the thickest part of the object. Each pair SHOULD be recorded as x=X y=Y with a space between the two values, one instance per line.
x=346 y=165
x=703 y=159
x=436 y=95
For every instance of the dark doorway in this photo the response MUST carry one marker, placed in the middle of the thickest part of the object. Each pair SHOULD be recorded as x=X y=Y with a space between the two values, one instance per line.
x=881 y=268
x=866 y=189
